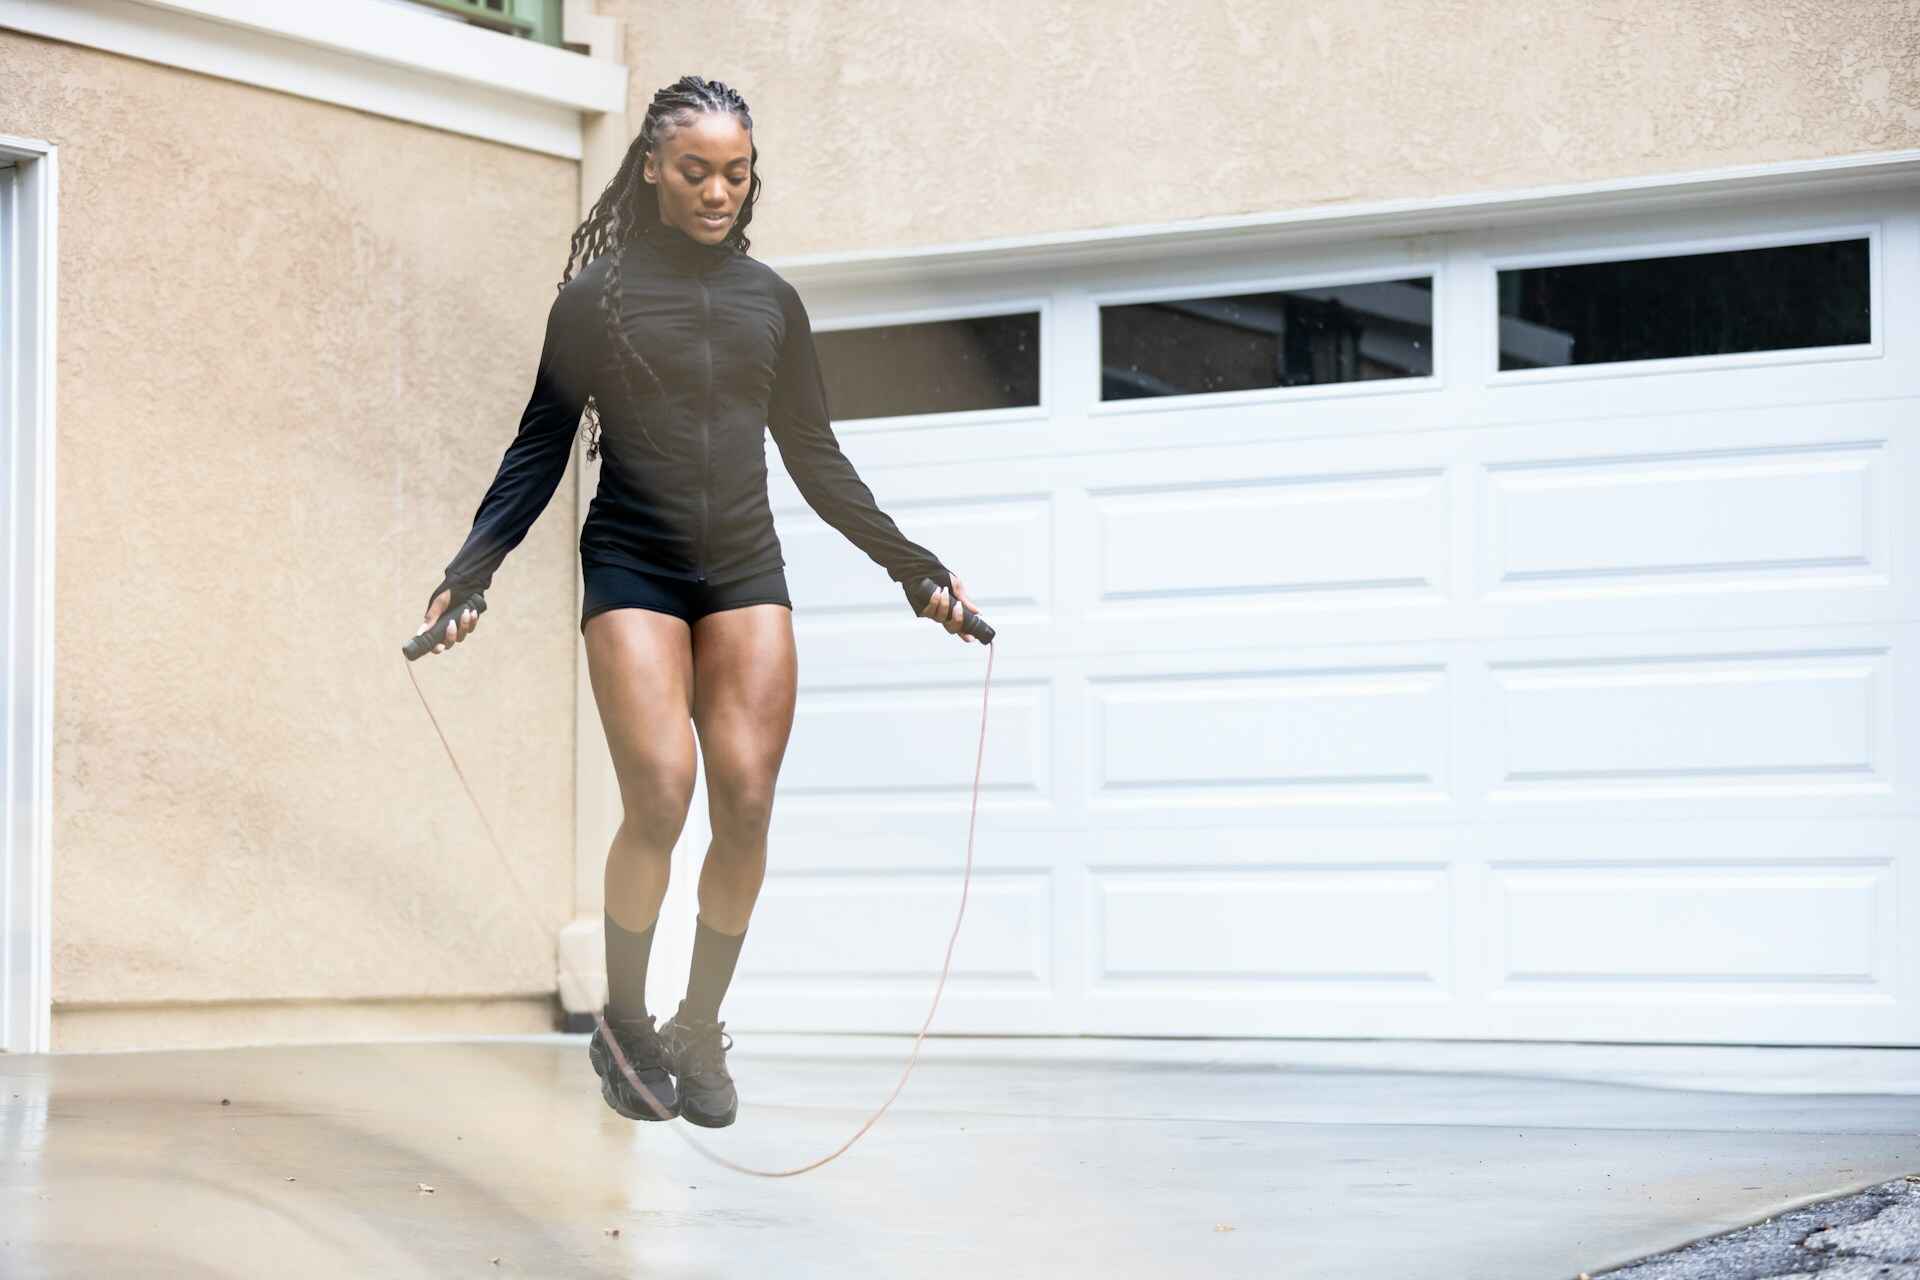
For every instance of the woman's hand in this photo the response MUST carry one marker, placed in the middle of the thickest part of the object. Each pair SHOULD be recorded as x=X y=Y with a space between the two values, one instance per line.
x=944 y=608
x=456 y=629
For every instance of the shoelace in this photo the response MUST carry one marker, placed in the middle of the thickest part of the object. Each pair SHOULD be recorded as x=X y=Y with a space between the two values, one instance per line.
x=705 y=1047
x=600 y=1023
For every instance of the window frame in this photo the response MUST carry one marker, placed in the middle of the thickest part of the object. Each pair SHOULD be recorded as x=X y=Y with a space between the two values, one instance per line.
x=886 y=317
x=1674 y=247
x=1431 y=266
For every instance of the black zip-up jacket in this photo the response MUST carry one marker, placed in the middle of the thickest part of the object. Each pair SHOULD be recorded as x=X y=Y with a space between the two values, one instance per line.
x=683 y=477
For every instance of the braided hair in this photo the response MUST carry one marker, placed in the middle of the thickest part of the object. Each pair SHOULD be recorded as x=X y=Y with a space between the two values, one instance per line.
x=620 y=214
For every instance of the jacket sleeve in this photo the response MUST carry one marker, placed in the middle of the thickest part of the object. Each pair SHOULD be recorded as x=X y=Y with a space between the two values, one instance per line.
x=801 y=423
x=536 y=458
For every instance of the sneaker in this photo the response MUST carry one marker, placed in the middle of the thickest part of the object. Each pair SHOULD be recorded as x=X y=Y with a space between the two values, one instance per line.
x=647 y=1055
x=697 y=1055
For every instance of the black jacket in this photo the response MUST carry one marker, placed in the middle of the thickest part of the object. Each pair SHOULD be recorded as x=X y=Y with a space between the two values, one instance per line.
x=683 y=477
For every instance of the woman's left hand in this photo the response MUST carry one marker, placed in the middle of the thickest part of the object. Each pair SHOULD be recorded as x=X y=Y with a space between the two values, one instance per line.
x=944 y=608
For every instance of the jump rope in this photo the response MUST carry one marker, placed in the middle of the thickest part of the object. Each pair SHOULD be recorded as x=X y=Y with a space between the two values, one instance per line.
x=921 y=593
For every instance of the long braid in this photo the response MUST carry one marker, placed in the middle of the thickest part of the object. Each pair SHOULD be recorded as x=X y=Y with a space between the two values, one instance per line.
x=618 y=215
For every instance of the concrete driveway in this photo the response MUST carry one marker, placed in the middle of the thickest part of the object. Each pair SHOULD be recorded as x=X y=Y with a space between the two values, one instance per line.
x=1001 y=1159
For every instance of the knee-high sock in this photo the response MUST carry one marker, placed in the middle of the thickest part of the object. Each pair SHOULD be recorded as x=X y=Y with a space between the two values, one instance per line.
x=714 y=955
x=627 y=954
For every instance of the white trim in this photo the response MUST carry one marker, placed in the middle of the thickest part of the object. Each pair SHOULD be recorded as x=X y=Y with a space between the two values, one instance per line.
x=1253 y=232
x=28 y=256
x=371 y=55
x=409 y=36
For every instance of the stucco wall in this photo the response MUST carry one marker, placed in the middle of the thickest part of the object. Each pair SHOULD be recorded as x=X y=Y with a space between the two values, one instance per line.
x=887 y=123
x=293 y=341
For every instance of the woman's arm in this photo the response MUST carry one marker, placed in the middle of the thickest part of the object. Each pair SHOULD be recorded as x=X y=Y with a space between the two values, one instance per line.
x=801 y=423
x=536 y=458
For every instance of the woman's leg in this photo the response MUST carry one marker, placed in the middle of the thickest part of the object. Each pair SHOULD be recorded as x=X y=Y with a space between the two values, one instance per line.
x=640 y=663
x=745 y=672
x=745 y=669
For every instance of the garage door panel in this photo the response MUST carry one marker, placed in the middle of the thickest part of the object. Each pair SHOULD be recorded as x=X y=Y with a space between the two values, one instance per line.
x=853 y=924
x=1800 y=720
x=1810 y=928
x=1360 y=533
x=1784 y=931
x=1755 y=515
x=1001 y=542
x=1351 y=925
x=1313 y=929
x=861 y=950
x=910 y=744
x=1353 y=734
x=1739 y=517
x=1243 y=547
x=870 y=928
x=1780 y=721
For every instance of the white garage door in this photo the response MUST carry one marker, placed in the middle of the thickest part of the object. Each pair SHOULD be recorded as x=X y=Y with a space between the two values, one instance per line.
x=1544 y=673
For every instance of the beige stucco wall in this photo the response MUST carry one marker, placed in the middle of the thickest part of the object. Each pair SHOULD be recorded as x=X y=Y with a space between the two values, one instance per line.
x=887 y=123
x=293 y=340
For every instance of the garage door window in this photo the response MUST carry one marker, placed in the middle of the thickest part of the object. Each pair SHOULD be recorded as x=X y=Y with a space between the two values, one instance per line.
x=936 y=366
x=1697 y=304
x=1254 y=341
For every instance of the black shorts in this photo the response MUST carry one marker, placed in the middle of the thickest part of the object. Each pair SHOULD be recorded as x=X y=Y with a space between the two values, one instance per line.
x=613 y=586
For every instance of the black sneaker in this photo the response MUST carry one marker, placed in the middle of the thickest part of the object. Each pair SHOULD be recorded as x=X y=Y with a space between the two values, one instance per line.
x=697 y=1056
x=647 y=1055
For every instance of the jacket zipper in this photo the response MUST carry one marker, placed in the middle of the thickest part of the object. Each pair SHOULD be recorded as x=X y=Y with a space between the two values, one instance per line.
x=706 y=415
x=705 y=421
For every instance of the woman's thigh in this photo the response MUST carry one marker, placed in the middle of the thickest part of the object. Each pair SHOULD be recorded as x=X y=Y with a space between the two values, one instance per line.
x=745 y=672
x=640 y=664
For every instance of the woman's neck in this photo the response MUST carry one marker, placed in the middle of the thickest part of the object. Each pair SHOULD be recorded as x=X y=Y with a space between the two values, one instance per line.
x=674 y=239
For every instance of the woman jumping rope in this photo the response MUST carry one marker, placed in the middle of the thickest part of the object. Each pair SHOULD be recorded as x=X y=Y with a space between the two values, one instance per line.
x=683 y=352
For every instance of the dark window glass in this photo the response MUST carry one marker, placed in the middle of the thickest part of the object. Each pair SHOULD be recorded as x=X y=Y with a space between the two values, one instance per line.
x=1697 y=304
x=1245 y=341
x=940 y=366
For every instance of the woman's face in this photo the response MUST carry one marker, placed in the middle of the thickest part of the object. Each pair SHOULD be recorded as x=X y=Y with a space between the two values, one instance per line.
x=702 y=172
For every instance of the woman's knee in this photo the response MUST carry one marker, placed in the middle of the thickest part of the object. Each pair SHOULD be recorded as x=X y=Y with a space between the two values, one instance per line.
x=654 y=797
x=740 y=801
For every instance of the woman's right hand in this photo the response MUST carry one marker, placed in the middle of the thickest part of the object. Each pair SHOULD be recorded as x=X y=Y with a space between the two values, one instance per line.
x=455 y=629
x=944 y=607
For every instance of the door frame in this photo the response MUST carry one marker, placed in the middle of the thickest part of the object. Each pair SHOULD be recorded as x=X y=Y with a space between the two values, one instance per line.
x=29 y=184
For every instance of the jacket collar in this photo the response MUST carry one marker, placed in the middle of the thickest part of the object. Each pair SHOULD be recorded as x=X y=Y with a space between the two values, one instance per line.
x=681 y=249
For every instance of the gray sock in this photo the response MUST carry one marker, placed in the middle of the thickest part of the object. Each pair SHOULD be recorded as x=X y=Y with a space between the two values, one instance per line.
x=714 y=955
x=627 y=954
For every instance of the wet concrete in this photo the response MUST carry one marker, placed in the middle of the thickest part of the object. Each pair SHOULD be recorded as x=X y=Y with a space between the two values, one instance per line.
x=129 y=1165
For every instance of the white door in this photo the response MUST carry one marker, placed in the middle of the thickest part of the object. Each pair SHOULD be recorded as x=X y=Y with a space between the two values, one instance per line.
x=1569 y=702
